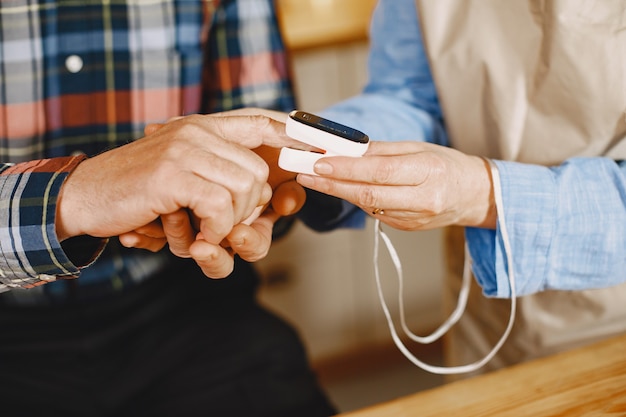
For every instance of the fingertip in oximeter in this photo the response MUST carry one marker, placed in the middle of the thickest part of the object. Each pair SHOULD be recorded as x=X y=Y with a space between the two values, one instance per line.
x=334 y=138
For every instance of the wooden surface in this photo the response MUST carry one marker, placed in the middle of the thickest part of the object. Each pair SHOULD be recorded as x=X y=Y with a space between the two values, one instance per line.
x=589 y=381
x=317 y=23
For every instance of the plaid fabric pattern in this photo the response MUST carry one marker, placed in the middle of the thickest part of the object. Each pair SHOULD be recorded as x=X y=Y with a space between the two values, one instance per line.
x=80 y=77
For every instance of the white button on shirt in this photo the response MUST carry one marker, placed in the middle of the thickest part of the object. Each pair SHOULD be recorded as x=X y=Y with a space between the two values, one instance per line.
x=73 y=63
x=46 y=277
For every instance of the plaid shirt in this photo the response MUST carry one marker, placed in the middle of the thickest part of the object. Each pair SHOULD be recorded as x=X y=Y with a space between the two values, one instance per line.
x=78 y=77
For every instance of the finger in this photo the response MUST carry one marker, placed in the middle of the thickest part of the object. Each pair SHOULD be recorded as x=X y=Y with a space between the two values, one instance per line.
x=215 y=261
x=139 y=241
x=397 y=148
x=288 y=198
x=211 y=204
x=212 y=207
x=227 y=161
x=277 y=175
x=153 y=229
x=253 y=242
x=367 y=196
x=240 y=171
x=253 y=131
x=266 y=195
x=255 y=215
x=253 y=111
x=180 y=232
x=387 y=169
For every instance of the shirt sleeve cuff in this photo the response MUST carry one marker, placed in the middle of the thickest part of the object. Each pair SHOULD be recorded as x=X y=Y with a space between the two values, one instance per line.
x=323 y=213
x=32 y=254
x=530 y=231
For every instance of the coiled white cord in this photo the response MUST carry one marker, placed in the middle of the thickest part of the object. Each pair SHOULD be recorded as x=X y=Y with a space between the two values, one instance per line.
x=463 y=294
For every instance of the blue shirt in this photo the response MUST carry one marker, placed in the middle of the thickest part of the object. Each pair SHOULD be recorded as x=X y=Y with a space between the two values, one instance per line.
x=572 y=234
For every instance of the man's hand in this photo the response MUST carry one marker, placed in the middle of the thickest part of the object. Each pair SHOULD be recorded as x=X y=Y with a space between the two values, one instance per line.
x=198 y=163
x=251 y=238
x=250 y=241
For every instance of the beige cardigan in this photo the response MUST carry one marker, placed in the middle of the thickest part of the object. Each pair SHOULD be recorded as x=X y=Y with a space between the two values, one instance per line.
x=534 y=81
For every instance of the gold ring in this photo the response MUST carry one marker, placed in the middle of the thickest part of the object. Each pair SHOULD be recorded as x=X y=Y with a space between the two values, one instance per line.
x=378 y=211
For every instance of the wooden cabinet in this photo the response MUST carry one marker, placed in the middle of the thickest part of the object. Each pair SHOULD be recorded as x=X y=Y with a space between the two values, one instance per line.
x=318 y=23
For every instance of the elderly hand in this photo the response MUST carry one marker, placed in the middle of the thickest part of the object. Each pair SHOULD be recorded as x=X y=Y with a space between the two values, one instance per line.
x=417 y=185
x=197 y=163
x=250 y=239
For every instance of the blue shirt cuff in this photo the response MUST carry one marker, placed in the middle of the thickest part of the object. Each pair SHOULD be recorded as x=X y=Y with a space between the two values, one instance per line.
x=530 y=229
x=565 y=224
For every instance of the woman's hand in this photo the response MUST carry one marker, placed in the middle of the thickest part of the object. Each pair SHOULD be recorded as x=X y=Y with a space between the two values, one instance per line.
x=417 y=185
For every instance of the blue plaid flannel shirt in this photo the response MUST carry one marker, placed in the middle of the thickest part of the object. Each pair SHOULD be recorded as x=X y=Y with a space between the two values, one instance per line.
x=81 y=77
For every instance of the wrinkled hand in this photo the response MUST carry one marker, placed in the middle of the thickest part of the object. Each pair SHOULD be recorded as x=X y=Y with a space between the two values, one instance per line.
x=251 y=239
x=418 y=185
x=251 y=242
x=197 y=163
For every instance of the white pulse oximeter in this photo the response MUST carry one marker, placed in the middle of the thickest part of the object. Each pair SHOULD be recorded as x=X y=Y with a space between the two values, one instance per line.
x=333 y=138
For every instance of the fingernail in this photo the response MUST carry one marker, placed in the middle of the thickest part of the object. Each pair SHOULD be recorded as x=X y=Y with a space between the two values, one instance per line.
x=323 y=168
x=306 y=180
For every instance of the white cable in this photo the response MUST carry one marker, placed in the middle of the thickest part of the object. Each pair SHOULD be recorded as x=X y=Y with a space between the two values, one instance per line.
x=463 y=294
x=452 y=319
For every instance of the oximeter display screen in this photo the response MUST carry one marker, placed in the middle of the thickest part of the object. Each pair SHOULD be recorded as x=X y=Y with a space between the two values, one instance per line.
x=330 y=126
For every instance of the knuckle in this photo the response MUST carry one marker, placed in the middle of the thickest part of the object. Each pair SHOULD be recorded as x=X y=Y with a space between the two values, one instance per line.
x=261 y=171
x=221 y=199
x=367 y=196
x=437 y=203
x=262 y=127
x=256 y=174
x=189 y=126
x=219 y=126
x=246 y=184
x=175 y=220
x=176 y=230
x=173 y=151
x=438 y=167
x=260 y=122
x=219 y=227
x=384 y=173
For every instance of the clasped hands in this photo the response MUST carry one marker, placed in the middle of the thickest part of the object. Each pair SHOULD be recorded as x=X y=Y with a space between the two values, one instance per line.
x=192 y=183
x=210 y=187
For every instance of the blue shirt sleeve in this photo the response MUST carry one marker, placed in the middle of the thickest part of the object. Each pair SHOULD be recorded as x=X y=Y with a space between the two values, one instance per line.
x=399 y=101
x=570 y=238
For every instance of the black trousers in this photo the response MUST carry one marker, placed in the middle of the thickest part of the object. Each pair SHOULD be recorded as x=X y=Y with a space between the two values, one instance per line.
x=173 y=346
